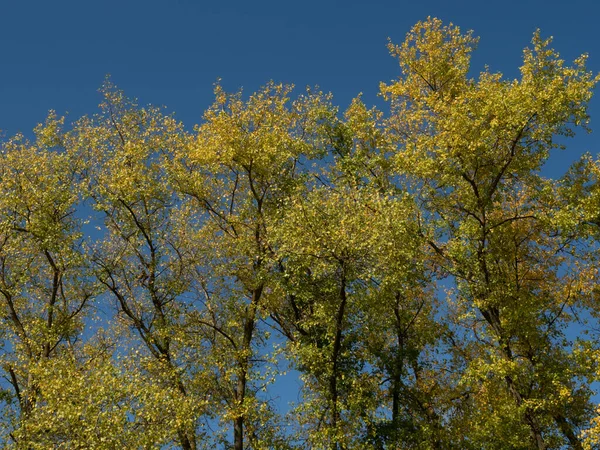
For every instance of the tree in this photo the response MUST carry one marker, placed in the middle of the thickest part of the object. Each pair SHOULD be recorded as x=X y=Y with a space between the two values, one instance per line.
x=475 y=148
x=45 y=286
x=355 y=287
x=143 y=261
x=248 y=156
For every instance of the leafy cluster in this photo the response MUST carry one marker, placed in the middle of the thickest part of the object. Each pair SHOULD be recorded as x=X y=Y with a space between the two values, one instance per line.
x=426 y=284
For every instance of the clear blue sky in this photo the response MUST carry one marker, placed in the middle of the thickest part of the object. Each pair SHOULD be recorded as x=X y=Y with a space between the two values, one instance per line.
x=55 y=54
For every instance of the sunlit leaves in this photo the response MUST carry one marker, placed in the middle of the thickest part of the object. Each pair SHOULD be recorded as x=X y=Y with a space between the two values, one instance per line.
x=429 y=285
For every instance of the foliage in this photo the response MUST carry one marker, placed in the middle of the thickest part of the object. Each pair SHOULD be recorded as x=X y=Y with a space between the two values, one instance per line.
x=429 y=286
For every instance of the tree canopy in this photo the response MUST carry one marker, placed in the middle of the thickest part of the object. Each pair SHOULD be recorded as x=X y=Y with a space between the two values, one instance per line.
x=412 y=266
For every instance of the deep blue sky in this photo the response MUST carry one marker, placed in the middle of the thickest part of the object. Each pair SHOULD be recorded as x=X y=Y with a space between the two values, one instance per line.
x=55 y=54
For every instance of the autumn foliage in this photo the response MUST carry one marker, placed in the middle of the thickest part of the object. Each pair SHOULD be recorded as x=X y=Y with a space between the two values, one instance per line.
x=424 y=282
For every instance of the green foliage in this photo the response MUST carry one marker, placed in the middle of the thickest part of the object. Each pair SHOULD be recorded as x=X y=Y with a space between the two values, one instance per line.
x=414 y=267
